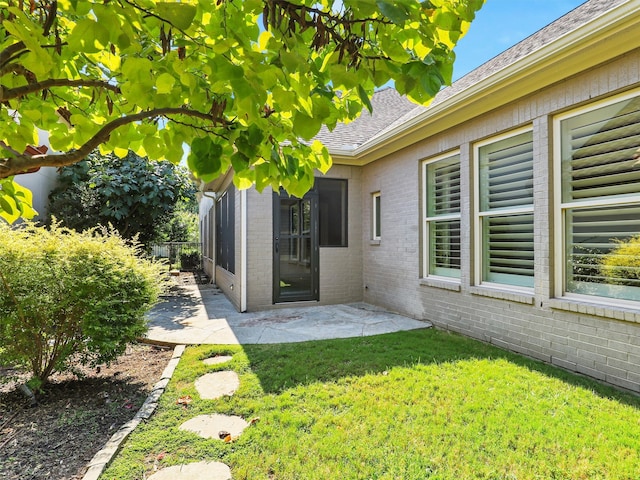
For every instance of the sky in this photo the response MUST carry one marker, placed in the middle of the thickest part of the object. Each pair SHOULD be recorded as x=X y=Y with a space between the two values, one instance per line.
x=500 y=24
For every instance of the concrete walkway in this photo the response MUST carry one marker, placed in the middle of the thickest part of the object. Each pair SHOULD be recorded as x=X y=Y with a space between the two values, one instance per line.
x=201 y=314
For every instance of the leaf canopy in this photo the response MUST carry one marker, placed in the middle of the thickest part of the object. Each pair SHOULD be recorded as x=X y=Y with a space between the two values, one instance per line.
x=246 y=83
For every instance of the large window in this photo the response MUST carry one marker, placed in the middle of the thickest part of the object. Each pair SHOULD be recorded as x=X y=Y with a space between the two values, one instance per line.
x=332 y=215
x=504 y=233
x=225 y=230
x=441 y=179
x=599 y=183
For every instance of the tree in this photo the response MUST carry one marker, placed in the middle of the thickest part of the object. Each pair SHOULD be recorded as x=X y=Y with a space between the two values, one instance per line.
x=246 y=83
x=135 y=195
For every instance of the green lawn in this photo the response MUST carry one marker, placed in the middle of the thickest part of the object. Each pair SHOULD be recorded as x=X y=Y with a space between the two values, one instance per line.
x=412 y=405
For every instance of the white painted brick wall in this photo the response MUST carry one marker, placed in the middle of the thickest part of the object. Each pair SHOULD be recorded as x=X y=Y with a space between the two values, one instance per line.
x=595 y=340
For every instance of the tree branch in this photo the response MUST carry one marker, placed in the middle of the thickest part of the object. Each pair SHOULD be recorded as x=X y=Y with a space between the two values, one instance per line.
x=16 y=164
x=9 y=53
x=11 y=93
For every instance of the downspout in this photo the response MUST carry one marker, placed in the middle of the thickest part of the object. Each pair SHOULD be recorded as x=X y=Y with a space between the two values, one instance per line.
x=243 y=250
x=213 y=197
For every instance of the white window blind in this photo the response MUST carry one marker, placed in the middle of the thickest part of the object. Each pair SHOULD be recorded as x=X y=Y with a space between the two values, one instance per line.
x=442 y=220
x=601 y=200
x=506 y=210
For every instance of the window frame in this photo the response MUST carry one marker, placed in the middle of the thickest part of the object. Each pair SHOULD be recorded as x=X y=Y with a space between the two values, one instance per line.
x=561 y=207
x=376 y=219
x=479 y=215
x=427 y=220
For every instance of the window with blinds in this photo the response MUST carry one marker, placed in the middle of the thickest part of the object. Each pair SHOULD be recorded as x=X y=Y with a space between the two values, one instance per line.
x=600 y=207
x=442 y=217
x=505 y=210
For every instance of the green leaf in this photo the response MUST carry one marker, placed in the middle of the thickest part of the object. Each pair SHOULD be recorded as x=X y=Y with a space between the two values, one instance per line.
x=165 y=83
x=179 y=14
x=394 y=12
x=88 y=36
x=305 y=126
x=365 y=98
x=205 y=159
x=15 y=201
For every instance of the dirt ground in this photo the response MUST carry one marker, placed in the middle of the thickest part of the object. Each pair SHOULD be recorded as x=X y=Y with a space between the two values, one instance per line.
x=75 y=417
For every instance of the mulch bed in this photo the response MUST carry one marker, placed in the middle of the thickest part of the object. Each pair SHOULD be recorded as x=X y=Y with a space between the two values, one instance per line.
x=74 y=418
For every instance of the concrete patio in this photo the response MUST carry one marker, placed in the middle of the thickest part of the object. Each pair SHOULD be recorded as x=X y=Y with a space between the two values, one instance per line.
x=202 y=314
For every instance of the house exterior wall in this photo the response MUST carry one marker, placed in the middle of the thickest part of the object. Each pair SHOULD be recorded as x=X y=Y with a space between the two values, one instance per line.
x=228 y=282
x=340 y=267
x=600 y=340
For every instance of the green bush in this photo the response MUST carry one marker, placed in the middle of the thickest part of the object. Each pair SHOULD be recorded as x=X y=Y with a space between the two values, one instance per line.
x=68 y=297
x=622 y=264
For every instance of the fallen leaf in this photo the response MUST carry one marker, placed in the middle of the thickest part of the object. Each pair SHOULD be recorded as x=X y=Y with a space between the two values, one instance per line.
x=186 y=400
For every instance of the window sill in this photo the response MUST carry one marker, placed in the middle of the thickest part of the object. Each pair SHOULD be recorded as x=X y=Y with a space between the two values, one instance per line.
x=438 y=283
x=374 y=242
x=597 y=309
x=520 y=297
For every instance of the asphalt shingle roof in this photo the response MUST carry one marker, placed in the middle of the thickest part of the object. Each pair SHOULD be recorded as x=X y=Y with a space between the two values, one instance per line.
x=390 y=109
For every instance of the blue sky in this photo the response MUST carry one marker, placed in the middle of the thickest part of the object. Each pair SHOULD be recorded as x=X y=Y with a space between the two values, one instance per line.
x=503 y=23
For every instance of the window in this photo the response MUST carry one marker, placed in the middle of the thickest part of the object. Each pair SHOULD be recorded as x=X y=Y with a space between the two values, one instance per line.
x=332 y=215
x=225 y=230
x=375 y=217
x=599 y=187
x=504 y=228
x=441 y=180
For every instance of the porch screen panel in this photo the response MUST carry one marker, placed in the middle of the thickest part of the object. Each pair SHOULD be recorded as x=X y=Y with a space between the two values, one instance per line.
x=225 y=230
x=506 y=210
x=601 y=201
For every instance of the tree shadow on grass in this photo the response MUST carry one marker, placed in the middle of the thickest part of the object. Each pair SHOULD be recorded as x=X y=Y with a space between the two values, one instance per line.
x=283 y=366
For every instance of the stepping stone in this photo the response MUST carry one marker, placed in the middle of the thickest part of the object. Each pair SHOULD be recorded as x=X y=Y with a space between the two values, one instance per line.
x=194 y=471
x=217 y=359
x=217 y=384
x=209 y=426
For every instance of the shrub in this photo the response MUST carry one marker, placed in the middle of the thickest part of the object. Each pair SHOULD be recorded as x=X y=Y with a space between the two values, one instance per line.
x=622 y=264
x=69 y=297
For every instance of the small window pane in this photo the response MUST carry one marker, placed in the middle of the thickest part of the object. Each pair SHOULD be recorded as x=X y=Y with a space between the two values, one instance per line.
x=443 y=187
x=506 y=173
x=508 y=249
x=444 y=238
x=376 y=216
x=597 y=152
x=603 y=251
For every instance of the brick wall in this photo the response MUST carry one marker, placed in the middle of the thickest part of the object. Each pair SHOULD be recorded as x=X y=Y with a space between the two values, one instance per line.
x=602 y=341
x=340 y=267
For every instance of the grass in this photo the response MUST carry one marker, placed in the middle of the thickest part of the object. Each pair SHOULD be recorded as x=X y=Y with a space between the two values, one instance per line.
x=423 y=404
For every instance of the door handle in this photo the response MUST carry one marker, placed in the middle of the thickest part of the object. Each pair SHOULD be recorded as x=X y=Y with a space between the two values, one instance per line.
x=277 y=244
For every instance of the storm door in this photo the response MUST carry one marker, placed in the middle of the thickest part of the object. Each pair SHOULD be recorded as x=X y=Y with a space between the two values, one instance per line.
x=295 y=248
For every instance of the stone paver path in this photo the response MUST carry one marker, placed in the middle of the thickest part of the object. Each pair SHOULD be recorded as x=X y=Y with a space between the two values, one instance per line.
x=217 y=384
x=217 y=360
x=209 y=426
x=194 y=471
x=210 y=386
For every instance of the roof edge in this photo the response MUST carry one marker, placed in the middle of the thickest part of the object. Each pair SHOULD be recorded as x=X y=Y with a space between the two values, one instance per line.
x=516 y=80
